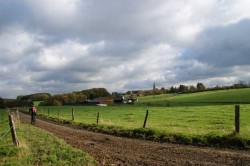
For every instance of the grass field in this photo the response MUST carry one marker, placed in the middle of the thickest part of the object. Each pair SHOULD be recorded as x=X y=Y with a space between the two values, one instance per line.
x=202 y=98
x=213 y=116
x=37 y=147
x=196 y=120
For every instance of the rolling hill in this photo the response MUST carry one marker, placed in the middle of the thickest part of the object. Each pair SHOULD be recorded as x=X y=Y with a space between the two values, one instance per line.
x=232 y=96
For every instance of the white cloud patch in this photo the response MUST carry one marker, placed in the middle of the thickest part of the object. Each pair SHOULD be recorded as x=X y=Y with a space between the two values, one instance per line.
x=61 y=55
x=15 y=43
x=68 y=45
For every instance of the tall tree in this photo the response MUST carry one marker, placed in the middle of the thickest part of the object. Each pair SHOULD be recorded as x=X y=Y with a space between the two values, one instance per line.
x=183 y=88
x=154 y=88
x=192 y=88
x=200 y=86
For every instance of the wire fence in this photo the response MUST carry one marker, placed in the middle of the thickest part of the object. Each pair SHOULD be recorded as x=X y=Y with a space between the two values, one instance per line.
x=13 y=116
x=5 y=132
x=3 y=126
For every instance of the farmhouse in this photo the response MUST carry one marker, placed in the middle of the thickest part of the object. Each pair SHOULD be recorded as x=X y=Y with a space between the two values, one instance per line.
x=119 y=99
x=112 y=100
x=125 y=100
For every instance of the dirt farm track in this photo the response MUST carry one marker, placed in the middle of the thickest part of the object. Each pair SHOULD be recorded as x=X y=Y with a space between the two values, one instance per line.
x=111 y=150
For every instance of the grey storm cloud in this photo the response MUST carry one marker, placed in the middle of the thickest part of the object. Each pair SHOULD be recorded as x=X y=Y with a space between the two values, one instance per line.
x=217 y=52
x=224 y=46
x=66 y=45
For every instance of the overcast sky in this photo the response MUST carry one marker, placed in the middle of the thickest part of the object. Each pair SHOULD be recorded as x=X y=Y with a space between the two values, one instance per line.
x=60 y=46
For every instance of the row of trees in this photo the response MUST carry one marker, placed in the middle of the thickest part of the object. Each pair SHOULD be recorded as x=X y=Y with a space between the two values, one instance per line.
x=65 y=99
x=78 y=97
x=1 y=103
x=156 y=91
x=15 y=103
x=200 y=87
x=187 y=89
x=181 y=89
x=35 y=97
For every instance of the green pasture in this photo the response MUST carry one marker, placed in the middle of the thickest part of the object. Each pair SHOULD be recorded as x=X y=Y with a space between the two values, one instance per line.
x=195 y=120
x=37 y=147
x=36 y=103
x=205 y=117
x=201 y=98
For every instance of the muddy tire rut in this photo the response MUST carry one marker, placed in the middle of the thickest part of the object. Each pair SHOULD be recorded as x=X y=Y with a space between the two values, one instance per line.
x=112 y=150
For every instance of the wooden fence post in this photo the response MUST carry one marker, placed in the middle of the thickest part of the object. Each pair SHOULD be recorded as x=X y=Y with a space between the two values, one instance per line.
x=145 y=121
x=12 y=129
x=97 y=119
x=237 y=118
x=73 y=114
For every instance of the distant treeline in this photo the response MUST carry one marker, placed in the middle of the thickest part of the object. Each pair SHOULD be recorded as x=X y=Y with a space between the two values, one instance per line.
x=1 y=103
x=77 y=97
x=201 y=88
x=181 y=89
x=35 y=97
x=187 y=89
x=15 y=103
x=80 y=97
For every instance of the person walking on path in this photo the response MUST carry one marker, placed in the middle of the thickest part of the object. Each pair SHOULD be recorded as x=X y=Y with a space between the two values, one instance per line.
x=32 y=112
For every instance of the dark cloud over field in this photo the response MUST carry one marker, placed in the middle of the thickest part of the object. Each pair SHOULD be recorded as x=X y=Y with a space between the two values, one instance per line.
x=64 y=45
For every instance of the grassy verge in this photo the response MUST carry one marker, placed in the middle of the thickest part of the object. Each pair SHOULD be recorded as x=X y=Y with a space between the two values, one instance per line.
x=38 y=147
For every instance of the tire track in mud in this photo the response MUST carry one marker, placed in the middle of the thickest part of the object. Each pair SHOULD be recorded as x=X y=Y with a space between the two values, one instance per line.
x=112 y=150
